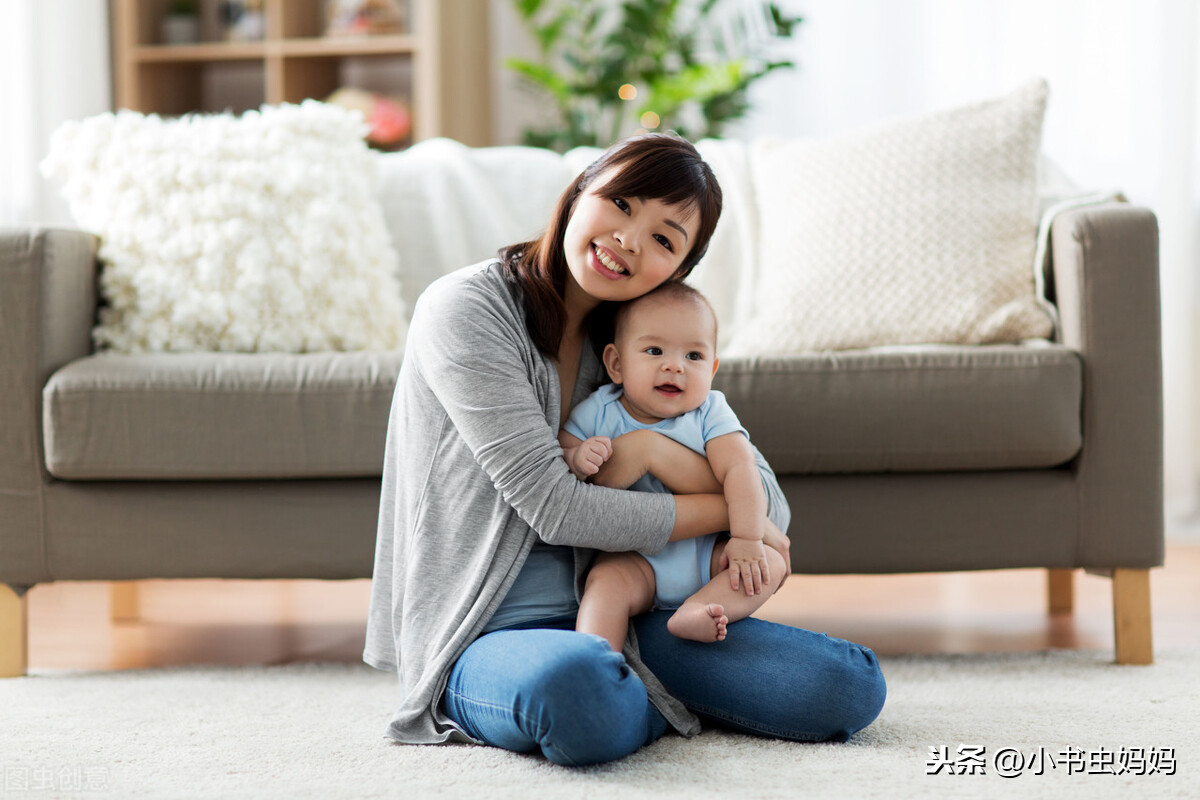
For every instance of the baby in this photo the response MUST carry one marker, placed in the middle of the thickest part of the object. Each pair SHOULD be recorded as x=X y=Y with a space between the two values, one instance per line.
x=662 y=362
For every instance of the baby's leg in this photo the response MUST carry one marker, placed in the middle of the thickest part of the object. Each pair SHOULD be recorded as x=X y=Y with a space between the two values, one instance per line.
x=618 y=586
x=704 y=615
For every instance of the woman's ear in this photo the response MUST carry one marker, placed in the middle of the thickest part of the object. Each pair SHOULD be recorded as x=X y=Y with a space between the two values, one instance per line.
x=612 y=362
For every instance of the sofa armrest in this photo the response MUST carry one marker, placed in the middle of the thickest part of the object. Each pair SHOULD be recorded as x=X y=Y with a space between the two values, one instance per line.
x=1105 y=272
x=47 y=310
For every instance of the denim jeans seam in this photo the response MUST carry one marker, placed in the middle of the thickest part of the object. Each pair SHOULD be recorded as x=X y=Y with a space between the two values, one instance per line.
x=523 y=717
x=756 y=726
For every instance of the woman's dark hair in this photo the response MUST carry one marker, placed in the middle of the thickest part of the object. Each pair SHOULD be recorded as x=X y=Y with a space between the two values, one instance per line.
x=653 y=166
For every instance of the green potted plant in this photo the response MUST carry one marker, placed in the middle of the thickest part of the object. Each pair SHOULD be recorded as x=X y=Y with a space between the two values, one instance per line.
x=181 y=24
x=614 y=66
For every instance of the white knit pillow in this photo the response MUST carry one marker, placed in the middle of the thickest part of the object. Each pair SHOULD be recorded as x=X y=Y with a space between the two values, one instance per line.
x=261 y=232
x=919 y=231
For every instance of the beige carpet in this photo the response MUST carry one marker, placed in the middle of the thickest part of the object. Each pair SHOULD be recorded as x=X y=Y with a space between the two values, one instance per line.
x=316 y=731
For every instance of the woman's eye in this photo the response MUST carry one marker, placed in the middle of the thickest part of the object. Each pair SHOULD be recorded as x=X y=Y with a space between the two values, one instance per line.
x=664 y=241
x=621 y=204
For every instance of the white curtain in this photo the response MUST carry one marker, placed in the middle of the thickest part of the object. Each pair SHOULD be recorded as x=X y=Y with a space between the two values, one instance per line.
x=54 y=59
x=1123 y=78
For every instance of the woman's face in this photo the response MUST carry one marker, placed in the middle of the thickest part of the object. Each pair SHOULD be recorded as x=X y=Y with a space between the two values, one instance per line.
x=622 y=248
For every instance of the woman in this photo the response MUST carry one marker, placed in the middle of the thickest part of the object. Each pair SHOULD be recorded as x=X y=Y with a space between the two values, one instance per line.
x=485 y=535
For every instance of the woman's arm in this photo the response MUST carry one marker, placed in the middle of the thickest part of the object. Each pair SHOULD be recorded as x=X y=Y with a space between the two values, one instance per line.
x=699 y=515
x=471 y=351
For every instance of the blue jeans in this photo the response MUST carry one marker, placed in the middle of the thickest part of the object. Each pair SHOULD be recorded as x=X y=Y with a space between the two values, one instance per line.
x=570 y=696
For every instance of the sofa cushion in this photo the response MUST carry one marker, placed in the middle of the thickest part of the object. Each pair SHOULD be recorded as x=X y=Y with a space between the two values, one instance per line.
x=248 y=416
x=208 y=415
x=919 y=230
x=910 y=409
x=261 y=232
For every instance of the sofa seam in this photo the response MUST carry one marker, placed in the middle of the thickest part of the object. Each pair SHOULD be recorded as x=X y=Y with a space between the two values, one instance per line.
x=39 y=444
x=1066 y=361
x=1083 y=238
x=66 y=390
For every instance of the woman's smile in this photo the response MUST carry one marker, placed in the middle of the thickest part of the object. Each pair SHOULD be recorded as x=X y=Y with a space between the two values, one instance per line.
x=608 y=263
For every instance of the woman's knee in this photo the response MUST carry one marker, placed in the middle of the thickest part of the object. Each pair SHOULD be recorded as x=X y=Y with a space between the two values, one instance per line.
x=585 y=705
x=857 y=691
x=871 y=690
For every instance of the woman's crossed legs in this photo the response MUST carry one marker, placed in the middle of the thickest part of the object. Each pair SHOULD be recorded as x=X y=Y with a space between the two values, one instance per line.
x=571 y=696
x=565 y=693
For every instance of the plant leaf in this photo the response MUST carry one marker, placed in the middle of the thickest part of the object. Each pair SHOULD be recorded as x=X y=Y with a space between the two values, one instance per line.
x=541 y=76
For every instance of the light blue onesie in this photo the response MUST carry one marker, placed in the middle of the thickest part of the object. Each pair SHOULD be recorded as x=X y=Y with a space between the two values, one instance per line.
x=682 y=567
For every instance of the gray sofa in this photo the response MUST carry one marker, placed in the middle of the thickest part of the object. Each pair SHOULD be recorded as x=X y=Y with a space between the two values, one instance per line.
x=1041 y=454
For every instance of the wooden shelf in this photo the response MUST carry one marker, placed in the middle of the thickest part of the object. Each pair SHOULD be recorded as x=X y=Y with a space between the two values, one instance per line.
x=295 y=48
x=440 y=67
x=347 y=47
x=208 y=51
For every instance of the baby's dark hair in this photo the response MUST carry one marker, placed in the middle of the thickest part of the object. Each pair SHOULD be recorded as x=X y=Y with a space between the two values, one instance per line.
x=671 y=290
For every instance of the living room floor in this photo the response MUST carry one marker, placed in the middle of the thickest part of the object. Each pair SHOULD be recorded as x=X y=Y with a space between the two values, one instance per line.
x=277 y=622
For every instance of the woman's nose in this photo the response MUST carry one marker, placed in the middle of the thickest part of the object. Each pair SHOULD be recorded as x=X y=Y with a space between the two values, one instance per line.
x=627 y=240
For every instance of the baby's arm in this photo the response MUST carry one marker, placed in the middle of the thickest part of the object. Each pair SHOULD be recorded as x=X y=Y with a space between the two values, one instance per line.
x=733 y=464
x=585 y=457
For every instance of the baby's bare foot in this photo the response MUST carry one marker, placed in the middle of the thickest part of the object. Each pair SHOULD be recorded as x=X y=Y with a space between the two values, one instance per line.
x=700 y=623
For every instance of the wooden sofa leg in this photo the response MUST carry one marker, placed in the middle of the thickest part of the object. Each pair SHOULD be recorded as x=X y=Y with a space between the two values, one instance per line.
x=1131 y=616
x=1060 y=590
x=14 y=632
x=124 y=604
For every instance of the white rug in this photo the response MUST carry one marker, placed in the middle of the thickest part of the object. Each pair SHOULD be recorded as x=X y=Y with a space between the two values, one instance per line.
x=316 y=731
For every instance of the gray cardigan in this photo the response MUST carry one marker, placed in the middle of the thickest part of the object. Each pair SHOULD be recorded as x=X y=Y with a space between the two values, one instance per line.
x=472 y=475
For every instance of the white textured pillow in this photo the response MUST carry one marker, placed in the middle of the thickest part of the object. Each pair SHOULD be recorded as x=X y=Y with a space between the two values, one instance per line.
x=255 y=233
x=919 y=231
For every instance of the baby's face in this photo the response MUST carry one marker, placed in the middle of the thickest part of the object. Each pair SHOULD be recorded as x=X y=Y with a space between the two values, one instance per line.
x=664 y=357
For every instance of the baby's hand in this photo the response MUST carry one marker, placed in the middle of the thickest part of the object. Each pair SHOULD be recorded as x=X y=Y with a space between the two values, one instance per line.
x=586 y=459
x=747 y=563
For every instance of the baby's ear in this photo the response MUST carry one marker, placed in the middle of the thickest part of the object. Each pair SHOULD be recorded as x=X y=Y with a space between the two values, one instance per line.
x=716 y=363
x=612 y=362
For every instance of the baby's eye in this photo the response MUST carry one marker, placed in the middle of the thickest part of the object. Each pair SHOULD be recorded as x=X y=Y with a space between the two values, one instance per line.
x=654 y=351
x=621 y=204
x=665 y=242
x=694 y=356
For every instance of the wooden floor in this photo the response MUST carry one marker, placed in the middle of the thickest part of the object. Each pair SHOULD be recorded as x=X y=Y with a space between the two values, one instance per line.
x=276 y=622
